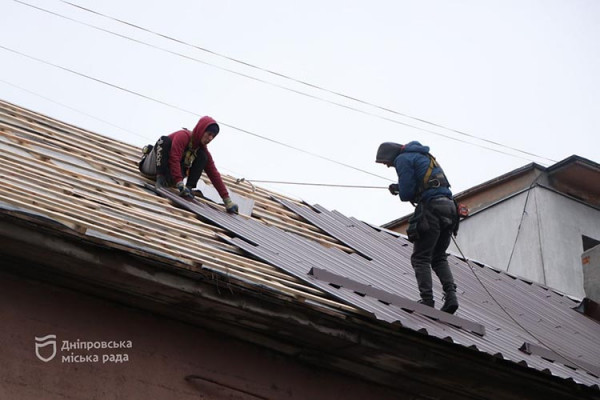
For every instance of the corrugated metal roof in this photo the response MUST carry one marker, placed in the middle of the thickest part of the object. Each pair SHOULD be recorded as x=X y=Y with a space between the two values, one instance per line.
x=512 y=311
x=90 y=184
x=510 y=305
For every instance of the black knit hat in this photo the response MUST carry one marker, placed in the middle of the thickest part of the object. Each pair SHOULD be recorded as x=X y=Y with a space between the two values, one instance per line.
x=387 y=152
x=212 y=128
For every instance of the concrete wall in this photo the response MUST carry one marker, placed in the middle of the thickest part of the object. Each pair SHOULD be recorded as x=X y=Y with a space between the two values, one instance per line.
x=496 y=191
x=153 y=357
x=549 y=243
x=561 y=230
x=489 y=236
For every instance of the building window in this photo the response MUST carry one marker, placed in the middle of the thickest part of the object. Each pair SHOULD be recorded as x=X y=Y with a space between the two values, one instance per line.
x=588 y=242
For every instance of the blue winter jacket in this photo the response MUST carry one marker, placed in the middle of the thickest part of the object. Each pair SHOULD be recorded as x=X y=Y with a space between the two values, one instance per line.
x=411 y=165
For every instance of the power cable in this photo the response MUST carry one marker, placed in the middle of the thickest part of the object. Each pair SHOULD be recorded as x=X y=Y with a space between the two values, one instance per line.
x=539 y=233
x=144 y=137
x=523 y=213
x=72 y=109
x=304 y=151
x=509 y=314
x=191 y=112
x=305 y=83
x=313 y=184
x=287 y=88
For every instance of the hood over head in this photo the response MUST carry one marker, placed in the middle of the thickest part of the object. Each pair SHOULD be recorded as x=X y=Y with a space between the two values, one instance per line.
x=201 y=127
x=387 y=152
x=416 y=147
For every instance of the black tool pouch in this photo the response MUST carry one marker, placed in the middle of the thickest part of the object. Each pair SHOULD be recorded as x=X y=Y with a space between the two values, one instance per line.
x=417 y=223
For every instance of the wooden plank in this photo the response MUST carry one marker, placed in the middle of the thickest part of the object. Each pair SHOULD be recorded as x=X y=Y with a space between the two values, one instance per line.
x=57 y=171
x=299 y=229
x=61 y=139
x=68 y=205
x=283 y=279
x=299 y=294
x=182 y=229
x=77 y=224
x=161 y=246
x=114 y=209
x=291 y=287
x=285 y=226
x=67 y=186
x=117 y=146
x=90 y=212
x=130 y=170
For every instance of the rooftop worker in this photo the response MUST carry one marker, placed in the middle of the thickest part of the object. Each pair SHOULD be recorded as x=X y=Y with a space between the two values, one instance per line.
x=422 y=182
x=185 y=153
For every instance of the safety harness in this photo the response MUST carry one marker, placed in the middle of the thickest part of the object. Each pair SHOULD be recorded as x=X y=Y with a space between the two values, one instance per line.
x=189 y=155
x=418 y=223
x=437 y=180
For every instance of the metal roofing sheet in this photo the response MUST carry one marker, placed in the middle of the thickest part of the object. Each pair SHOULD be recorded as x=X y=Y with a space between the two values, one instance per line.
x=529 y=308
x=512 y=311
x=540 y=319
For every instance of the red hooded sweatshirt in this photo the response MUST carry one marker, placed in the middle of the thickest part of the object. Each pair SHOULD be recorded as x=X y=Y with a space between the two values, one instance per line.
x=181 y=140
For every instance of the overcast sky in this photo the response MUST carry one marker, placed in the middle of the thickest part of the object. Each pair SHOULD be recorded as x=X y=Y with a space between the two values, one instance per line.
x=475 y=80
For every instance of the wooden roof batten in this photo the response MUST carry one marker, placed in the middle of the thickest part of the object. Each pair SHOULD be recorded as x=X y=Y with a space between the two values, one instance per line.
x=71 y=179
x=100 y=196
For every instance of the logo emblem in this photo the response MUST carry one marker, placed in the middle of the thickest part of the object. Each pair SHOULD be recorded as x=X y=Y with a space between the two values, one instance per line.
x=43 y=342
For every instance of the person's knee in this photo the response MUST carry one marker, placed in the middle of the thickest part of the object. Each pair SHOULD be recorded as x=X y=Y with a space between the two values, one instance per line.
x=420 y=261
x=439 y=260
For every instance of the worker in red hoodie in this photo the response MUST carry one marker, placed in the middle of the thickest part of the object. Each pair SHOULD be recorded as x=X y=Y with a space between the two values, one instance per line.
x=184 y=153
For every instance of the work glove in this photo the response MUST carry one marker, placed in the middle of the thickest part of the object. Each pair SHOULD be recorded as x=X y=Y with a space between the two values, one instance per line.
x=393 y=188
x=230 y=206
x=161 y=182
x=185 y=191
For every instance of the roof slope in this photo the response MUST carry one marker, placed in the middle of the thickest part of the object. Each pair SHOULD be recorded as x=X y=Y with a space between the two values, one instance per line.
x=310 y=255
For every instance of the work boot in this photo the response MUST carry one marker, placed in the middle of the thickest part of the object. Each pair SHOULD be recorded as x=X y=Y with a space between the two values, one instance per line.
x=450 y=302
x=428 y=302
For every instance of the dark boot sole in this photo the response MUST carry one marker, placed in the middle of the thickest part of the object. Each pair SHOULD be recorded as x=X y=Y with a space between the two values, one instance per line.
x=450 y=308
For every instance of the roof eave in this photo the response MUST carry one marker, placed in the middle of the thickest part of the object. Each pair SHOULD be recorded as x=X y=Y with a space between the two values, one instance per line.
x=348 y=342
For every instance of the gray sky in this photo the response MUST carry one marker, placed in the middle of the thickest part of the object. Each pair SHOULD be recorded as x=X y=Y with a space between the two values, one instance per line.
x=523 y=74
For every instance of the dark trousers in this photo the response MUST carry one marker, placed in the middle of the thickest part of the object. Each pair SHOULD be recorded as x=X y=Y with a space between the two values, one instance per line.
x=159 y=156
x=429 y=251
x=163 y=149
x=196 y=168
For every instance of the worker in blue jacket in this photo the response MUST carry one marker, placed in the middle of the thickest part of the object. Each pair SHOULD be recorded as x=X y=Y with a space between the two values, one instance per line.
x=422 y=182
